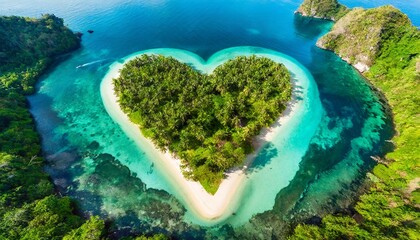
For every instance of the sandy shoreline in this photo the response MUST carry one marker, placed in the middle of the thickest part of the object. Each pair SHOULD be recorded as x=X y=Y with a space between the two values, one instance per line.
x=203 y=204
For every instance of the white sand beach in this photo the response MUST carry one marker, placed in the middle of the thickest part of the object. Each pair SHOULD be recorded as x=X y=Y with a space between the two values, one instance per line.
x=203 y=204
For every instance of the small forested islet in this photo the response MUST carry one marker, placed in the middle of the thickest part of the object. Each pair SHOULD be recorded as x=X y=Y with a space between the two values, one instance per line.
x=326 y=9
x=208 y=121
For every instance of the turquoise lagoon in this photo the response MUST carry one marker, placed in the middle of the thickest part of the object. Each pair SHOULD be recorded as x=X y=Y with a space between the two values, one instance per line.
x=296 y=178
x=286 y=149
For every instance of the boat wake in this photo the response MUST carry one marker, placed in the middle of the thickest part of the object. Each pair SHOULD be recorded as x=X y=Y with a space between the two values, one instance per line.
x=98 y=62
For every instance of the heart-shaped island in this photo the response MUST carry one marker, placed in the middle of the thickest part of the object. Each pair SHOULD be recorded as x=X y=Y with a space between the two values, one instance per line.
x=207 y=121
x=201 y=118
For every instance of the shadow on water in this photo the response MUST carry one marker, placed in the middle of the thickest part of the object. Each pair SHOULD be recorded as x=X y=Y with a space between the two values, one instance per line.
x=88 y=200
x=269 y=150
x=315 y=161
x=310 y=28
x=58 y=165
x=46 y=120
x=267 y=153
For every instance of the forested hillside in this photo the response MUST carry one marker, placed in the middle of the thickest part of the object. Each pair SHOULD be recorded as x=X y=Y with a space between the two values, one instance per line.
x=327 y=9
x=27 y=47
x=384 y=40
x=29 y=208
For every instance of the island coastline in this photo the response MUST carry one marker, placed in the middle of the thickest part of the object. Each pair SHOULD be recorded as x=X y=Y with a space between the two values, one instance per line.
x=382 y=44
x=208 y=207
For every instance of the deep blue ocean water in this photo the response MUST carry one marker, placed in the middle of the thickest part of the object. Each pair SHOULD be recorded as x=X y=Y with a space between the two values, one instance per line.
x=91 y=159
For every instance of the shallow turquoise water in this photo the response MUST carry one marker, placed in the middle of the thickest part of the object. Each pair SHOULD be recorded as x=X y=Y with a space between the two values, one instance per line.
x=287 y=147
x=92 y=160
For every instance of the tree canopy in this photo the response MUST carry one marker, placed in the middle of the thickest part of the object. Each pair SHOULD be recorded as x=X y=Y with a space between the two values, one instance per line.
x=385 y=40
x=208 y=121
x=28 y=207
x=27 y=46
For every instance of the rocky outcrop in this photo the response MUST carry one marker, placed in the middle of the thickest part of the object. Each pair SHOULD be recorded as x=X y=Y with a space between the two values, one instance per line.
x=326 y=9
x=359 y=35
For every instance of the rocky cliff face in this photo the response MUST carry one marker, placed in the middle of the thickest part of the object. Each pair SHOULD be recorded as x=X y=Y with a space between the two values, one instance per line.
x=327 y=9
x=359 y=35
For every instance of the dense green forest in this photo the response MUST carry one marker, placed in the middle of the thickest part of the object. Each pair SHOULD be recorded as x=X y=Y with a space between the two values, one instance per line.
x=391 y=208
x=208 y=121
x=27 y=46
x=29 y=207
x=327 y=9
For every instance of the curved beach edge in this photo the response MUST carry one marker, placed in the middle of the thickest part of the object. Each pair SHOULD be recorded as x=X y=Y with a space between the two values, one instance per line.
x=208 y=207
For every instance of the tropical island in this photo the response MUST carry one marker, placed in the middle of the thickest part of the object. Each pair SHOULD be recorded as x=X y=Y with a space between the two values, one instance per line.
x=208 y=121
x=330 y=9
x=384 y=46
x=216 y=207
x=31 y=209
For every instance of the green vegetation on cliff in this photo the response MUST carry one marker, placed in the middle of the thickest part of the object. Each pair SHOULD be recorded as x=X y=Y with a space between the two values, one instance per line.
x=327 y=9
x=27 y=46
x=391 y=45
x=208 y=121
x=361 y=35
x=28 y=207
